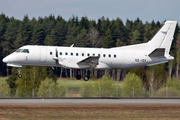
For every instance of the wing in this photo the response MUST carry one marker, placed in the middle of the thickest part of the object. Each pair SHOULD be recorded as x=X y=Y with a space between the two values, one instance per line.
x=91 y=61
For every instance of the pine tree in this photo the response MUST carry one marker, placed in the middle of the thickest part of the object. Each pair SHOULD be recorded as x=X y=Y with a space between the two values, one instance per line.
x=10 y=36
x=3 y=21
x=99 y=25
x=51 y=39
x=147 y=34
x=103 y=28
x=82 y=39
x=84 y=23
x=128 y=27
x=71 y=36
x=72 y=21
x=61 y=28
x=107 y=41
x=48 y=24
x=3 y=26
x=119 y=32
x=24 y=33
x=4 y=45
x=138 y=25
x=37 y=35
x=135 y=37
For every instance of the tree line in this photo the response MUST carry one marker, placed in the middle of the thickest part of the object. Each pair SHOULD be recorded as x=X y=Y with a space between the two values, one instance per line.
x=83 y=32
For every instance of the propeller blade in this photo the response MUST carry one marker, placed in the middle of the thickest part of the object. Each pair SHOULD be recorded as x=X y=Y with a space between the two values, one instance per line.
x=56 y=59
x=56 y=53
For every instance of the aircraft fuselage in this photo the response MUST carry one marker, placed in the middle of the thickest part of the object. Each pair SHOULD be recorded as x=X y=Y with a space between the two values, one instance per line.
x=69 y=56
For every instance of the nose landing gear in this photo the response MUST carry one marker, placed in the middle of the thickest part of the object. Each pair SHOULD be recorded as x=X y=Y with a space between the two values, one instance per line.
x=19 y=75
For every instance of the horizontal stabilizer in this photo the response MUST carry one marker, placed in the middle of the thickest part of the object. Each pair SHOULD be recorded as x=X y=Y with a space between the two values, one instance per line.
x=158 y=52
x=156 y=63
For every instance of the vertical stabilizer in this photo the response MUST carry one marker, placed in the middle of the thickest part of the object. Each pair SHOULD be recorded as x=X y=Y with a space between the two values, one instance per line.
x=163 y=38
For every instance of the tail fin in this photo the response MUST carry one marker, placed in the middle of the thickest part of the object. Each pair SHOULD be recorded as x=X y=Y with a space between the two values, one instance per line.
x=163 y=38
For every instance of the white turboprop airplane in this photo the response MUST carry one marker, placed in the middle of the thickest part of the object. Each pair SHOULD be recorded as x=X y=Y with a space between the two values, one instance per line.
x=155 y=51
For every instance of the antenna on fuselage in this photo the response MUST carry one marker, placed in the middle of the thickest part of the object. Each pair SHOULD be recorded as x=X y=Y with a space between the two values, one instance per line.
x=72 y=45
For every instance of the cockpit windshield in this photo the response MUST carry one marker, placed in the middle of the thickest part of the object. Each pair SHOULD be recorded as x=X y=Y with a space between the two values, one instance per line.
x=22 y=51
x=18 y=51
x=25 y=51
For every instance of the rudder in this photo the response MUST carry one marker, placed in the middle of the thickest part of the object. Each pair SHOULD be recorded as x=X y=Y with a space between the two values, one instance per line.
x=163 y=37
x=169 y=37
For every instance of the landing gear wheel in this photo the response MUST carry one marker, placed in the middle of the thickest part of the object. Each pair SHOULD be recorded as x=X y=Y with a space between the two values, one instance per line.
x=86 y=78
x=78 y=77
x=19 y=75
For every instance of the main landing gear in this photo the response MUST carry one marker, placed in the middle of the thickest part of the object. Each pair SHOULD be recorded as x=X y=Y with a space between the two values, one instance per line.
x=78 y=76
x=86 y=77
x=19 y=75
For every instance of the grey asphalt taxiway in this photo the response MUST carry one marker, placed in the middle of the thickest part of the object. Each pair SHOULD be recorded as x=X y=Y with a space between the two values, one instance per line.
x=88 y=101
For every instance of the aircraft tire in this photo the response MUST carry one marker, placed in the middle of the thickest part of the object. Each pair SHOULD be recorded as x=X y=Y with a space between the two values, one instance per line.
x=78 y=77
x=86 y=78
x=19 y=75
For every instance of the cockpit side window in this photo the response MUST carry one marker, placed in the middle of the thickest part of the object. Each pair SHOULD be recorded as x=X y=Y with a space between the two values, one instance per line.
x=25 y=51
x=19 y=50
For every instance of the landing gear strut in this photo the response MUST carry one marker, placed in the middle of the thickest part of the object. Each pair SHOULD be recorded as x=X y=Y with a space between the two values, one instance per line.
x=86 y=78
x=19 y=75
x=78 y=76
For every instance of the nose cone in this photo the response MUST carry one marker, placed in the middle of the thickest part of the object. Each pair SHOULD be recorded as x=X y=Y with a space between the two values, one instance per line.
x=5 y=60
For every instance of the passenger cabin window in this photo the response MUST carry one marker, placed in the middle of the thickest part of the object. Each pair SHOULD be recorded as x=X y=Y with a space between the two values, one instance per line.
x=72 y=54
x=109 y=55
x=104 y=55
x=82 y=54
x=99 y=55
x=76 y=54
x=25 y=51
x=66 y=53
x=114 y=56
x=50 y=53
x=88 y=54
x=60 y=53
x=93 y=54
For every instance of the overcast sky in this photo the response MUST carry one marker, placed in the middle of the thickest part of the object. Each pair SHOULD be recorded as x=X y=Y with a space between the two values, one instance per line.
x=146 y=10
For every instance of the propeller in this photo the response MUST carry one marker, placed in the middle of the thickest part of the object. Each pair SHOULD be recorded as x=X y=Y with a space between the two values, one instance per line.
x=56 y=58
